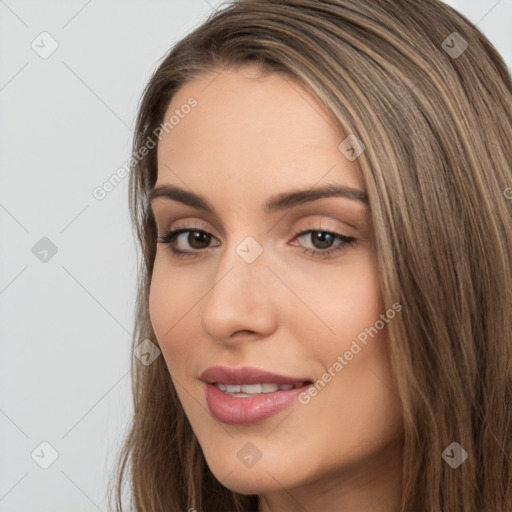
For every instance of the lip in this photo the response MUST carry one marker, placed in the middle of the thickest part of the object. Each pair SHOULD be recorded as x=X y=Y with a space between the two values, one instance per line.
x=234 y=410
x=246 y=375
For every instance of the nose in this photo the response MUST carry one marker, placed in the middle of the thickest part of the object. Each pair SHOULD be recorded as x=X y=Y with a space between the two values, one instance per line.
x=241 y=303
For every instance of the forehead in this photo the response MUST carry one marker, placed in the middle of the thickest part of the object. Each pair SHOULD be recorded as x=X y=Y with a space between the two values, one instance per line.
x=251 y=129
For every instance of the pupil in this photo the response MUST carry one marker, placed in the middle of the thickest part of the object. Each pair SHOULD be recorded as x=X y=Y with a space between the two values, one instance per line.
x=322 y=237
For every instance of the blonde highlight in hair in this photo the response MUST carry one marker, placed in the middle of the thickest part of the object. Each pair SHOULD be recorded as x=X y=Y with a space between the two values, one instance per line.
x=438 y=138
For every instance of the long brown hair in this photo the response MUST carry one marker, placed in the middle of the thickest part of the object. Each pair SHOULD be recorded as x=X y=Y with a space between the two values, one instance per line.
x=434 y=111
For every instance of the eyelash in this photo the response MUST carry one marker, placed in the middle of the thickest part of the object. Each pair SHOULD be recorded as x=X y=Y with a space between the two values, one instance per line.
x=171 y=236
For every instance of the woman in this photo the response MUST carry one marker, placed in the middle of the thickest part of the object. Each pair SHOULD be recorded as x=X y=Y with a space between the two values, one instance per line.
x=321 y=191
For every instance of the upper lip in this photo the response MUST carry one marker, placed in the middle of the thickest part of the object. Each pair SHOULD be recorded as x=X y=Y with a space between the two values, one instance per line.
x=246 y=375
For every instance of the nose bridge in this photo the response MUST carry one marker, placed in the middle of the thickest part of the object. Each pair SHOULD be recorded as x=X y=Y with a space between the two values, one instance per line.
x=241 y=293
x=242 y=273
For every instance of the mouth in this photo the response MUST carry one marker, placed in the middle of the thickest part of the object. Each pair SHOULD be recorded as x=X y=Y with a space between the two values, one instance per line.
x=245 y=396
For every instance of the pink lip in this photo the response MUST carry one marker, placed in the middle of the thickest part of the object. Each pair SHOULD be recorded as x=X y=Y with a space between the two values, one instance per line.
x=247 y=410
x=246 y=375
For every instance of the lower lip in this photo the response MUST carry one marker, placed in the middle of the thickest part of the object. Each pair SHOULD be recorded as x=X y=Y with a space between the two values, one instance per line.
x=249 y=410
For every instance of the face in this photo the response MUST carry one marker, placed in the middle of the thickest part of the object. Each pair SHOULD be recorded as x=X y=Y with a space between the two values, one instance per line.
x=267 y=297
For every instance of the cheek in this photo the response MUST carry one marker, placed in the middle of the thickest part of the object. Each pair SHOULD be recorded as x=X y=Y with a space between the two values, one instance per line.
x=346 y=301
x=350 y=306
x=359 y=301
x=161 y=305
x=173 y=293
x=170 y=303
x=361 y=334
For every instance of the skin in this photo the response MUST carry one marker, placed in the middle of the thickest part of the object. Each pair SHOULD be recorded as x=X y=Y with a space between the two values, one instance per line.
x=288 y=312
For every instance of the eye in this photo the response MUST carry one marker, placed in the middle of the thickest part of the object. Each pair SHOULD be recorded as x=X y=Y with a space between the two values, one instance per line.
x=198 y=240
x=323 y=241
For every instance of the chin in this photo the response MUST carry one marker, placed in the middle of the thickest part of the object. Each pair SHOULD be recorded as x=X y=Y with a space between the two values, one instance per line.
x=271 y=473
x=249 y=482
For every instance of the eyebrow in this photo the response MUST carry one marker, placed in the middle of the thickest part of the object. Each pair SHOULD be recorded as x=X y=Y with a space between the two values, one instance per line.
x=278 y=202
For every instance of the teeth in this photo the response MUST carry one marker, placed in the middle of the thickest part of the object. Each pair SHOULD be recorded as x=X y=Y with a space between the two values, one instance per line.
x=251 y=389
x=256 y=389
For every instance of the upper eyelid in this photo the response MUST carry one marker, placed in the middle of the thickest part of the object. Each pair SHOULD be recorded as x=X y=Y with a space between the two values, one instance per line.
x=353 y=220
x=316 y=225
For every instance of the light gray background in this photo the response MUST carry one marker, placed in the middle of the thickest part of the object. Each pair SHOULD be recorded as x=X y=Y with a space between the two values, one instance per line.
x=66 y=125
